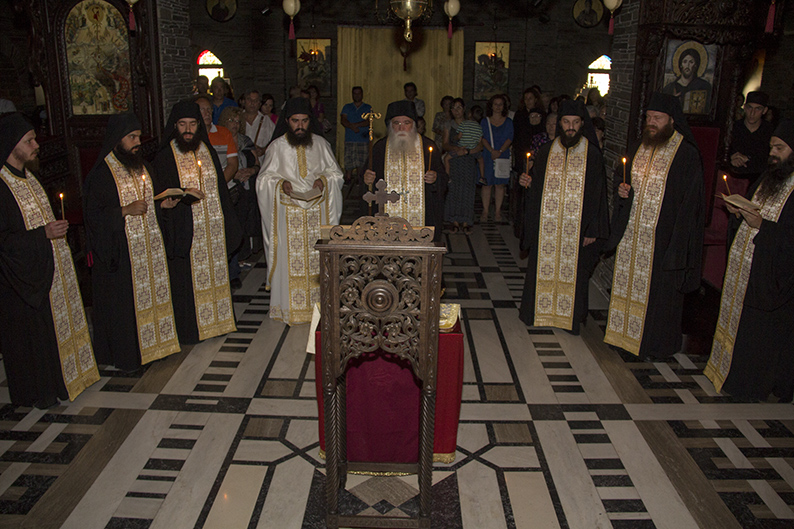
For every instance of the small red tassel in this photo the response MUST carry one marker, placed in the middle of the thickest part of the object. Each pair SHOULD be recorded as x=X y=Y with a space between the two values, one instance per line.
x=132 y=20
x=291 y=30
x=89 y=259
x=612 y=24
x=770 y=19
x=449 y=30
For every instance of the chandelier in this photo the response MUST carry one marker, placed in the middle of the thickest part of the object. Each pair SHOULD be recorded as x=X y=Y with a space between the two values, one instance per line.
x=407 y=11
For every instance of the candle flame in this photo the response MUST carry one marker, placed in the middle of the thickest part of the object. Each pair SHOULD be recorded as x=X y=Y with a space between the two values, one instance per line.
x=725 y=177
x=61 y=195
x=431 y=149
x=529 y=154
x=199 y=162
x=624 y=160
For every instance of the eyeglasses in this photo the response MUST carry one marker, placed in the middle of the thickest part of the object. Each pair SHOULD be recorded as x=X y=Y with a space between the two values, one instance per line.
x=402 y=123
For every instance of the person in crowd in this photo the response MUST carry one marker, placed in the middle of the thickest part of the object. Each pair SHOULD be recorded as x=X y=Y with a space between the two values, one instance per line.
x=268 y=108
x=199 y=235
x=461 y=141
x=356 y=132
x=750 y=141
x=442 y=119
x=658 y=231
x=257 y=125
x=566 y=223
x=410 y=95
x=299 y=189
x=44 y=336
x=133 y=318
x=497 y=137
x=220 y=99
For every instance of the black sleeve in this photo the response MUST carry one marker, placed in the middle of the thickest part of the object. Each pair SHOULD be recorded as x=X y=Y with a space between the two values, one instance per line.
x=104 y=223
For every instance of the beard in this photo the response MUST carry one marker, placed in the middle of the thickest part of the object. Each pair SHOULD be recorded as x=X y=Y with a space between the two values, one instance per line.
x=571 y=141
x=660 y=137
x=187 y=145
x=299 y=137
x=775 y=176
x=132 y=160
x=403 y=142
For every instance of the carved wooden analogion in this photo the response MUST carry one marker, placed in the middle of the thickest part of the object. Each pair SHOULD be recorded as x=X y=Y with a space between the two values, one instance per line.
x=380 y=284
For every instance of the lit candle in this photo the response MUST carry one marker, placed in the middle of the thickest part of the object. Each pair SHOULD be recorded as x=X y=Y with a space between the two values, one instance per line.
x=529 y=155
x=725 y=177
x=624 y=169
x=143 y=179
x=201 y=184
x=430 y=159
x=63 y=211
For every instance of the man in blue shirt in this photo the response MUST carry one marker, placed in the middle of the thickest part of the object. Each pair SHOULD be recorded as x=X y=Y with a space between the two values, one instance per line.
x=357 y=133
x=219 y=99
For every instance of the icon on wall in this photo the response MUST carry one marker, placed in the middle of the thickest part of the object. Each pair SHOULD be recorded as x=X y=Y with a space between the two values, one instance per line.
x=222 y=10
x=588 y=13
x=689 y=74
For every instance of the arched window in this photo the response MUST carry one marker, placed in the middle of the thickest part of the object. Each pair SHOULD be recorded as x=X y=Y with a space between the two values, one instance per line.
x=210 y=65
x=598 y=74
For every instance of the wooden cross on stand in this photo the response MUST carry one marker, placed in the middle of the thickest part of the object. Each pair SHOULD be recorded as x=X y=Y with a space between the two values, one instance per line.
x=381 y=197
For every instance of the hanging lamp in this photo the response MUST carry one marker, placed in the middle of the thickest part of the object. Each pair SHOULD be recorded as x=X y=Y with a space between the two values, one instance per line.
x=613 y=6
x=451 y=8
x=291 y=8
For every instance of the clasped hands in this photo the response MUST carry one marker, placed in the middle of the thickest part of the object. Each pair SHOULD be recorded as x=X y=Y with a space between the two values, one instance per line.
x=752 y=218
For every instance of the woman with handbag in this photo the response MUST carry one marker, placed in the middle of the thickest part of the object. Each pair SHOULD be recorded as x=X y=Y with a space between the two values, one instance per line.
x=497 y=132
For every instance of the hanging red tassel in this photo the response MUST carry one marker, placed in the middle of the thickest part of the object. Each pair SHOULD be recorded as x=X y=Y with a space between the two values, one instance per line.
x=612 y=24
x=291 y=30
x=449 y=29
x=132 y=20
x=770 y=18
x=89 y=259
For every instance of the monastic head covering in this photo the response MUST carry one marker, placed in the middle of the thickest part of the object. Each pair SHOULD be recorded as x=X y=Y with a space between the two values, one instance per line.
x=401 y=108
x=569 y=107
x=119 y=125
x=296 y=105
x=758 y=97
x=785 y=131
x=183 y=110
x=671 y=105
x=12 y=128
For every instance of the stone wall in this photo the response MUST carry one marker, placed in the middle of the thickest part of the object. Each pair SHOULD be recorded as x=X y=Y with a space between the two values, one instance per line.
x=173 y=18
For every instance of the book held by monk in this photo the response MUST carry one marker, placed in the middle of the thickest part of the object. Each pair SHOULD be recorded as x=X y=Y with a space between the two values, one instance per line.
x=185 y=195
x=311 y=194
x=738 y=201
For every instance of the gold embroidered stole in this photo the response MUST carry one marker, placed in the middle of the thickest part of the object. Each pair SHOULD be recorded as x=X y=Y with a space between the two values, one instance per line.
x=154 y=313
x=558 y=240
x=737 y=274
x=631 y=281
x=71 y=328
x=210 y=270
x=406 y=175
x=303 y=261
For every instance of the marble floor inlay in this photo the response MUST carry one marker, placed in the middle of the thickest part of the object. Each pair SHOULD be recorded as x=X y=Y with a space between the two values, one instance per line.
x=556 y=431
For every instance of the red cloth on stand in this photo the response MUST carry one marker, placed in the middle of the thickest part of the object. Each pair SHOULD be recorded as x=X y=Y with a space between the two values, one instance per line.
x=383 y=398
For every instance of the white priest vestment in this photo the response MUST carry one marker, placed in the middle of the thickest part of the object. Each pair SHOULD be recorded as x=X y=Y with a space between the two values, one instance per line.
x=291 y=227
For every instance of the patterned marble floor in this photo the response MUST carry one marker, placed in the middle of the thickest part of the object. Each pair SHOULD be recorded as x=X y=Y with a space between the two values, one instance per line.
x=555 y=431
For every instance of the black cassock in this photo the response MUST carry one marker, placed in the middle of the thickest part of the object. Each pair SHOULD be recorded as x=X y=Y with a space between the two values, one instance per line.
x=594 y=223
x=114 y=317
x=434 y=193
x=763 y=351
x=27 y=332
x=176 y=225
x=677 y=251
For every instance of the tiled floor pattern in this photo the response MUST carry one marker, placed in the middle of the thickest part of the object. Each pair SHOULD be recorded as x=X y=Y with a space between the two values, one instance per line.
x=545 y=440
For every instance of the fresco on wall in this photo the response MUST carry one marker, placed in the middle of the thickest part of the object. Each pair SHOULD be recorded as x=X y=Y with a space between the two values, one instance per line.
x=314 y=64
x=98 y=57
x=689 y=74
x=491 y=66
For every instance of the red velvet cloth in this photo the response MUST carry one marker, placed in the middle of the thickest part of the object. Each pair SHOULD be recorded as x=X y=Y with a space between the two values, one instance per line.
x=383 y=398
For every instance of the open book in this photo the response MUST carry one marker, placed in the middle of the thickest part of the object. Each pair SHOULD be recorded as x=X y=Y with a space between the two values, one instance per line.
x=188 y=197
x=738 y=201
x=311 y=194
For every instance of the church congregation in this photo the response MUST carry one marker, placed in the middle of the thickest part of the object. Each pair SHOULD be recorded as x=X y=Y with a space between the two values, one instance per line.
x=649 y=224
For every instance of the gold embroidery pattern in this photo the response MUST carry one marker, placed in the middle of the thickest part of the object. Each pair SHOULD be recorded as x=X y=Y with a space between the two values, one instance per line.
x=405 y=174
x=558 y=241
x=737 y=275
x=154 y=313
x=214 y=310
x=303 y=230
x=71 y=328
x=631 y=280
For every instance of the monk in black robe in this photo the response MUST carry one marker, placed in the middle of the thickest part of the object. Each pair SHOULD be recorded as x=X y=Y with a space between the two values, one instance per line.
x=658 y=231
x=405 y=170
x=566 y=222
x=753 y=351
x=32 y=247
x=133 y=321
x=187 y=139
